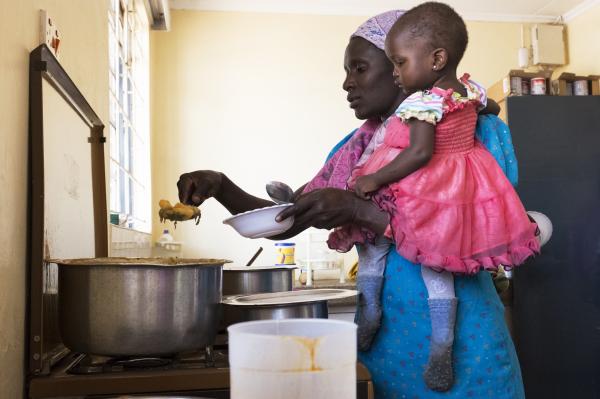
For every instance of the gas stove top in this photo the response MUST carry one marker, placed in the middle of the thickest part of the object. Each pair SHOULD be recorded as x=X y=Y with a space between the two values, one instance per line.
x=204 y=373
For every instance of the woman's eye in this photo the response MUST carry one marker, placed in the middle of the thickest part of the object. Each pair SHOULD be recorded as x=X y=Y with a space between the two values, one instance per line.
x=361 y=68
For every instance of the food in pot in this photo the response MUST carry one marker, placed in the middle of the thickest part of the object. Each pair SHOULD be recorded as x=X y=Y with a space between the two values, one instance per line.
x=178 y=213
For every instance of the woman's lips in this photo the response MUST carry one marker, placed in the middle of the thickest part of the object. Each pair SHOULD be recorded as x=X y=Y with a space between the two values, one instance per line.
x=354 y=101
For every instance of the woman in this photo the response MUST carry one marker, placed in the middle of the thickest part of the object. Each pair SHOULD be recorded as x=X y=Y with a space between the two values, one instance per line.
x=485 y=359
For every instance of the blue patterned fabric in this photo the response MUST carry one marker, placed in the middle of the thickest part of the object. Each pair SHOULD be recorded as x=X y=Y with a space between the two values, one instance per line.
x=495 y=135
x=485 y=361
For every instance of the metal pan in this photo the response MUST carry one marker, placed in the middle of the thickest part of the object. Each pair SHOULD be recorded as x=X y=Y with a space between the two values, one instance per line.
x=139 y=306
x=282 y=305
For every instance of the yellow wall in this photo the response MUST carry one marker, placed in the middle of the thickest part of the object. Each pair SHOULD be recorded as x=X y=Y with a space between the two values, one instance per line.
x=84 y=55
x=259 y=97
x=583 y=33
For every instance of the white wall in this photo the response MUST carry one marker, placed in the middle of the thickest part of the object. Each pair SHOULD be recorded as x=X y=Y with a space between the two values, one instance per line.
x=83 y=25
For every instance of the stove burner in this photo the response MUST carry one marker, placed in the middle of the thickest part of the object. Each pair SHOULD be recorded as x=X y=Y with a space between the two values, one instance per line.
x=139 y=362
x=90 y=364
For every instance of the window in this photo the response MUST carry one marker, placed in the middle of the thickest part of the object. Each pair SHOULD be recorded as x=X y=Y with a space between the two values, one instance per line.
x=130 y=193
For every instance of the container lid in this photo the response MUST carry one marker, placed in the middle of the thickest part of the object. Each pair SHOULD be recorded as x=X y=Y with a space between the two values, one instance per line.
x=289 y=297
x=122 y=261
x=236 y=268
x=284 y=244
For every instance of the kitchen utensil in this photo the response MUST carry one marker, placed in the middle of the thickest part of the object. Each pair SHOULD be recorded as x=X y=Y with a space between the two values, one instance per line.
x=282 y=305
x=280 y=192
x=312 y=358
x=139 y=306
x=253 y=258
x=260 y=222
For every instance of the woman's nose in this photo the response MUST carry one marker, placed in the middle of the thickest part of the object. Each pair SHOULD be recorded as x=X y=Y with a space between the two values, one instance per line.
x=348 y=83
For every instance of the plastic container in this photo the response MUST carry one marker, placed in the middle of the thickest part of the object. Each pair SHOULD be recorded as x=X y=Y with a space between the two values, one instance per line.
x=285 y=253
x=538 y=86
x=165 y=237
x=580 y=88
x=293 y=359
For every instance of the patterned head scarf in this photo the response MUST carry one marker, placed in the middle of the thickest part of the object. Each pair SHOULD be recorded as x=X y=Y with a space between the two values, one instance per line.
x=376 y=28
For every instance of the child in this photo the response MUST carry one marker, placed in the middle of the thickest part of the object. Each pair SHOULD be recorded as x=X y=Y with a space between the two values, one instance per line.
x=452 y=208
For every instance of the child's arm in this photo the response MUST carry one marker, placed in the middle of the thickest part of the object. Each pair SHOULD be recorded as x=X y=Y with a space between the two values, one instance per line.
x=413 y=157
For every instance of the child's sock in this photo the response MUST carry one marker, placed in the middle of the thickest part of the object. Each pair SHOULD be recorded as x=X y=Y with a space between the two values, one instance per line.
x=439 y=375
x=368 y=312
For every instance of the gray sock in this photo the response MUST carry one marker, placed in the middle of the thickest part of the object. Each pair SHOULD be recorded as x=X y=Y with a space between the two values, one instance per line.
x=368 y=311
x=438 y=374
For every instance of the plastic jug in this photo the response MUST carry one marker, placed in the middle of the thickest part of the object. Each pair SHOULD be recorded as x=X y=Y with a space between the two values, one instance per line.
x=293 y=359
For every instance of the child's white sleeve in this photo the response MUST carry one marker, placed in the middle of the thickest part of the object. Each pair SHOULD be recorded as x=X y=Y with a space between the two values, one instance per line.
x=424 y=106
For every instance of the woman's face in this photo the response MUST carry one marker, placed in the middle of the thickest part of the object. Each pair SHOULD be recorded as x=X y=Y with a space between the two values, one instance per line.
x=372 y=92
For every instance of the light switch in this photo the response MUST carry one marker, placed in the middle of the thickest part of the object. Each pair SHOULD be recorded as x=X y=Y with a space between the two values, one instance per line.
x=49 y=33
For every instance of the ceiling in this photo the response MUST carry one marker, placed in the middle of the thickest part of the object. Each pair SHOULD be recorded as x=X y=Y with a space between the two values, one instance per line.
x=474 y=10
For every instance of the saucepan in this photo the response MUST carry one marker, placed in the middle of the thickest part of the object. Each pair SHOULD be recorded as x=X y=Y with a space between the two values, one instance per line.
x=139 y=306
x=282 y=305
x=247 y=280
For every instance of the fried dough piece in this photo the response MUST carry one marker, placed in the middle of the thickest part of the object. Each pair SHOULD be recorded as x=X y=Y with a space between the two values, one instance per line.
x=178 y=213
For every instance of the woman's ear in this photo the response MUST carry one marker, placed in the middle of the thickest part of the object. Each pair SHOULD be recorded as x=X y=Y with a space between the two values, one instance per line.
x=439 y=59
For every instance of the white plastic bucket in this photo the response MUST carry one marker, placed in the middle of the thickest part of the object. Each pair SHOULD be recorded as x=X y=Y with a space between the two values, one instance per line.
x=293 y=359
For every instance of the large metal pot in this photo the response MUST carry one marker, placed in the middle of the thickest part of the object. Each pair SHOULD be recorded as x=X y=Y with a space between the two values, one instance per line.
x=139 y=306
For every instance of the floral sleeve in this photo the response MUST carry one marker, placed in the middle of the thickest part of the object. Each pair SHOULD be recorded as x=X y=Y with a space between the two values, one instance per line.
x=422 y=105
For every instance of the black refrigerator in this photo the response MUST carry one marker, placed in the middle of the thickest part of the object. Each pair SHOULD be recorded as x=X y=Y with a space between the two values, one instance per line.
x=556 y=296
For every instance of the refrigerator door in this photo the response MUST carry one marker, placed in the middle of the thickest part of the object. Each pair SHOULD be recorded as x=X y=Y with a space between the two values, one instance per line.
x=557 y=295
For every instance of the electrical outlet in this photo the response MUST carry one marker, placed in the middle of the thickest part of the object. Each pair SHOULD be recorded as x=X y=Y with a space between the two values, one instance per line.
x=49 y=33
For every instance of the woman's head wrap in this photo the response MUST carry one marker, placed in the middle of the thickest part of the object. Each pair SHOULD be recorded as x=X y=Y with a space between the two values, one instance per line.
x=376 y=28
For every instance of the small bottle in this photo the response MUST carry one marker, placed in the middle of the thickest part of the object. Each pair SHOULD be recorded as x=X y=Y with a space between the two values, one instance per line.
x=165 y=237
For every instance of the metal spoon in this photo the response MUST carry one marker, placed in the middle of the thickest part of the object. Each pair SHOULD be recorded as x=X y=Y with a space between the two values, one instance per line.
x=280 y=192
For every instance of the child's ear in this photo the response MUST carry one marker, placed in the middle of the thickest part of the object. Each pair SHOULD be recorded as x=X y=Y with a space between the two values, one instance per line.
x=439 y=59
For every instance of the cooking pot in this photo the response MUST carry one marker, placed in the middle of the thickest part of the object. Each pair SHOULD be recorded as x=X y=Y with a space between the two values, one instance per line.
x=310 y=304
x=246 y=280
x=139 y=306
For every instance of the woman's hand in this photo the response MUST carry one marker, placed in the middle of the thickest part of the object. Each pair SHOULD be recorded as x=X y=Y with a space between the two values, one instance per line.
x=328 y=208
x=196 y=187
x=365 y=186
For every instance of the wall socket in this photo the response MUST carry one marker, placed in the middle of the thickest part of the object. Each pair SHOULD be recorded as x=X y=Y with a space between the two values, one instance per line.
x=49 y=33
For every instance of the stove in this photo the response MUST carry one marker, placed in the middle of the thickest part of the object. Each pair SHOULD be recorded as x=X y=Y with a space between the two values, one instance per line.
x=203 y=373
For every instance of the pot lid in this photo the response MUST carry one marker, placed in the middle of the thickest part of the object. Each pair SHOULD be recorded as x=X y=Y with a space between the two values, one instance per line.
x=289 y=297
x=236 y=268
x=122 y=261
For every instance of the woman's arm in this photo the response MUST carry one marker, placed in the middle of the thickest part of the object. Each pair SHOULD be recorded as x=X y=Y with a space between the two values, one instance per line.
x=331 y=207
x=414 y=157
x=196 y=187
x=492 y=107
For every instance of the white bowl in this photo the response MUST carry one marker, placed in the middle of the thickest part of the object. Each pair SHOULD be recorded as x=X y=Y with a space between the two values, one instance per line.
x=259 y=223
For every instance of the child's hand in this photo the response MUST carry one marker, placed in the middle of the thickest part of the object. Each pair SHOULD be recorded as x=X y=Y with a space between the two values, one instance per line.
x=365 y=185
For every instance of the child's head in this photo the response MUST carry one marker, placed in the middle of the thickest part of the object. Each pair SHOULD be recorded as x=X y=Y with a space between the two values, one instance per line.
x=425 y=43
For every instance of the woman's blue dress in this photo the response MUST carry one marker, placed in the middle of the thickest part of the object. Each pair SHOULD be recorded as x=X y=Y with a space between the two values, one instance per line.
x=485 y=361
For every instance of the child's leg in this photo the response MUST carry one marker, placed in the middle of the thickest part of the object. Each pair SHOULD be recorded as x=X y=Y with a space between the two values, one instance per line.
x=369 y=282
x=438 y=374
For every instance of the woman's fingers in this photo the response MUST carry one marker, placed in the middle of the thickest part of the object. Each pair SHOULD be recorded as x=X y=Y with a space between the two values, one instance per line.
x=195 y=187
x=185 y=186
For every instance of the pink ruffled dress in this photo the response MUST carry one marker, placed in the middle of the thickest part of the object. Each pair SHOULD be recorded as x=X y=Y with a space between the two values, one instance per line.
x=459 y=212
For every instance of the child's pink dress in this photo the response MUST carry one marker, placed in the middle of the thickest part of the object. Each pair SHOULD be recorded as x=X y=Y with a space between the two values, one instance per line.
x=459 y=212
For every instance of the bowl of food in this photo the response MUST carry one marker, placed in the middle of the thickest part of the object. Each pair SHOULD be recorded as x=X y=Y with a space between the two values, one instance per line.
x=260 y=222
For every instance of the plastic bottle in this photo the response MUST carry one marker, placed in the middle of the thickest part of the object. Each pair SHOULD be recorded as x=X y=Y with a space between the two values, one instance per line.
x=165 y=237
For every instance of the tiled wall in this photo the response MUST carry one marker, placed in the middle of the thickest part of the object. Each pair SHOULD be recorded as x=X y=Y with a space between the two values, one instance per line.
x=130 y=243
